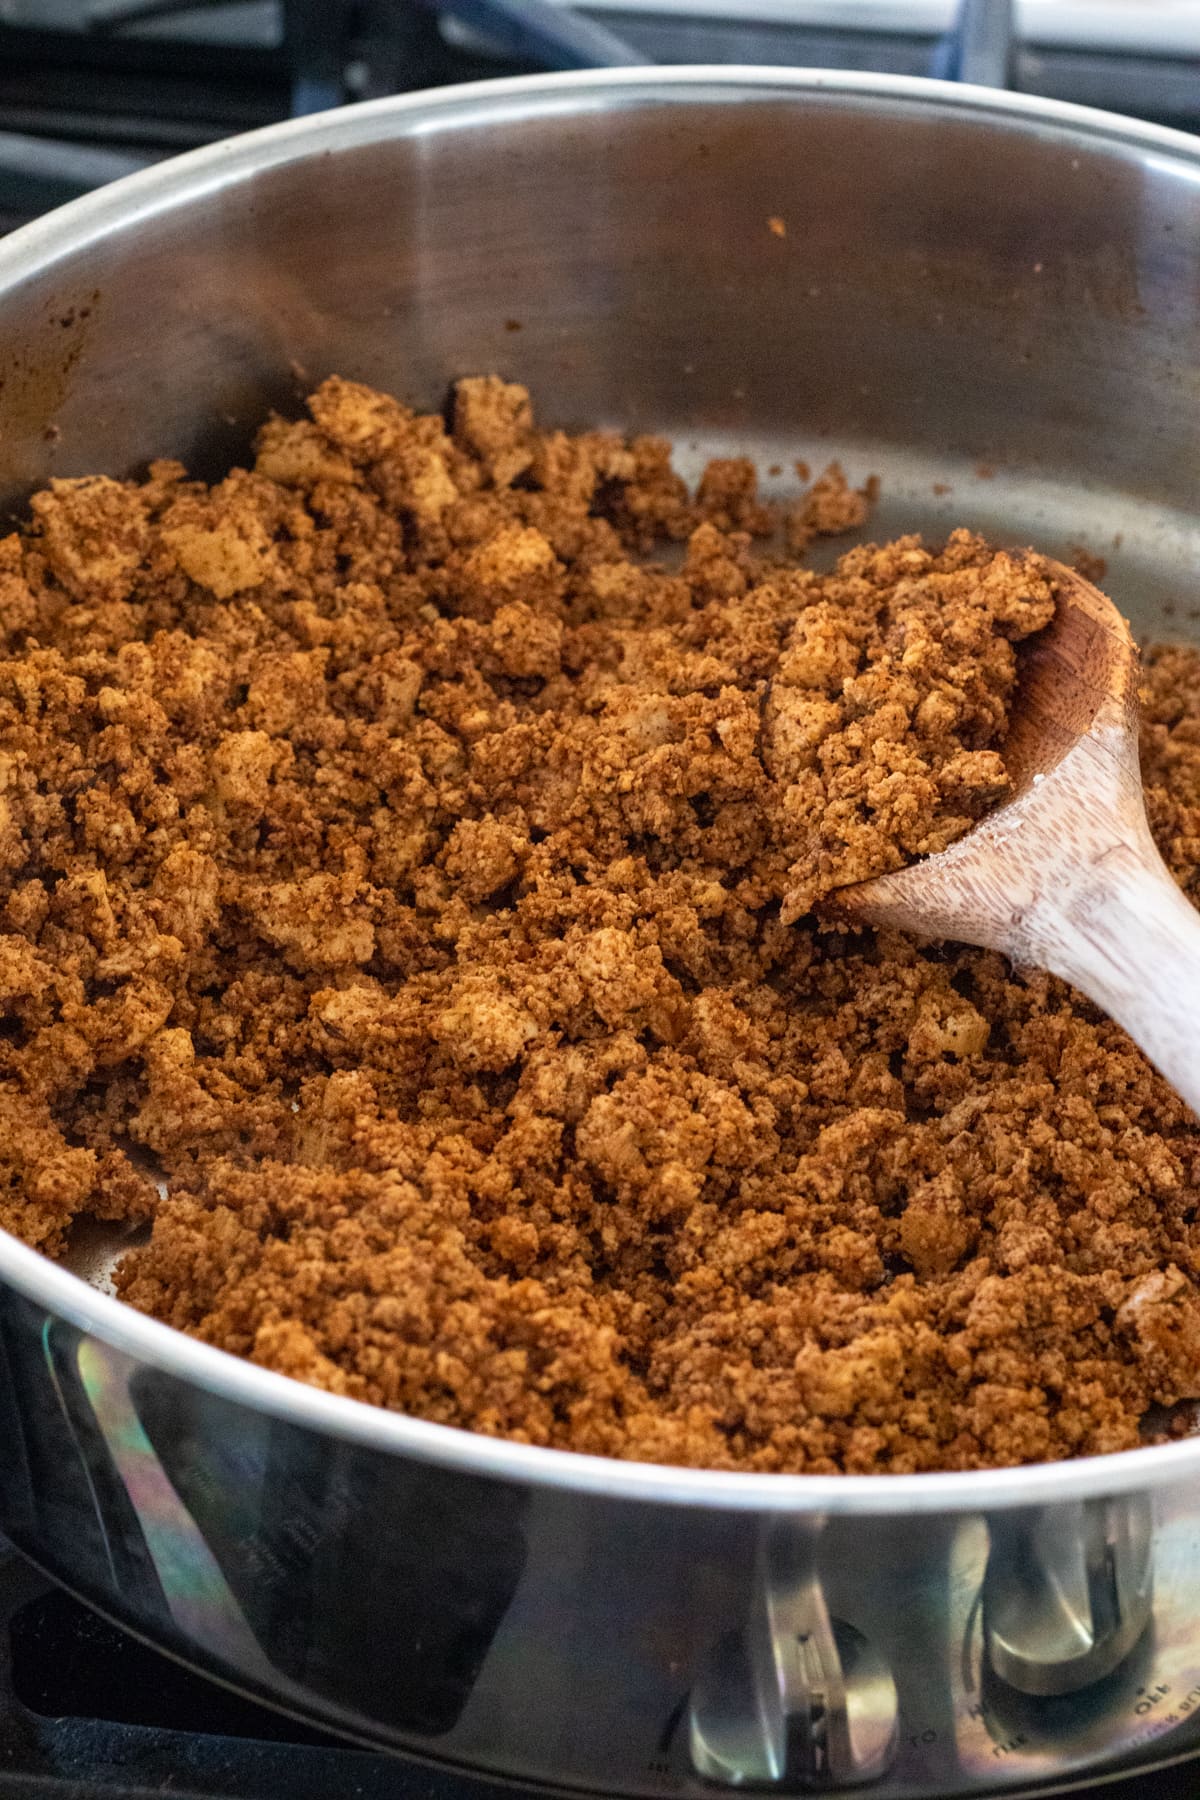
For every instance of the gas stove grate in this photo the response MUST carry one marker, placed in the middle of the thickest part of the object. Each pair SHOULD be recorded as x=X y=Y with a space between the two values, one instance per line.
x=88 y=74
x=88 y=1712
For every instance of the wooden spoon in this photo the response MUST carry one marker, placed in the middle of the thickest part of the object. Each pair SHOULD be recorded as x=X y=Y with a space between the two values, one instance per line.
x=1065 y=876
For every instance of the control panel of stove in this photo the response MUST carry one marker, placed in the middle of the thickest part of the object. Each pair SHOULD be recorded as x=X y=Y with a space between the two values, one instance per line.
x=1070 y=1651
x=84 y=1709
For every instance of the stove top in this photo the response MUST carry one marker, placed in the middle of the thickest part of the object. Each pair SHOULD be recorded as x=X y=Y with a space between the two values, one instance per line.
x=88 y=1712
x=93 y=88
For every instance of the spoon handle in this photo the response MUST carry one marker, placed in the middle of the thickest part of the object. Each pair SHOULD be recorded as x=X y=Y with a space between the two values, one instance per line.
x=1129 y=940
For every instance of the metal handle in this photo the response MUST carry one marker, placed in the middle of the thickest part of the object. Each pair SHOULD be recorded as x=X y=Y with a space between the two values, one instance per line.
x=554 y=35
x=39 y=173
x=980 y=46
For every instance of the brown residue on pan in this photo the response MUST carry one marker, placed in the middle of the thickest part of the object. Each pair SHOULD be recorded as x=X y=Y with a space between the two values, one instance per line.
x=1092 y=567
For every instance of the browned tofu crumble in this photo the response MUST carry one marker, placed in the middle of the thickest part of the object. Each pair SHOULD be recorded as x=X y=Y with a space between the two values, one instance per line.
x=421 y=883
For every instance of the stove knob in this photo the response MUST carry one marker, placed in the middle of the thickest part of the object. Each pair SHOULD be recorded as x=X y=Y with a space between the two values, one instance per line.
x=796 y=1699
x=1067 y=1593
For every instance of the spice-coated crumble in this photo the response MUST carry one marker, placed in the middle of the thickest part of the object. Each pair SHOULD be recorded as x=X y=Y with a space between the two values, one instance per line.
x=420 y=882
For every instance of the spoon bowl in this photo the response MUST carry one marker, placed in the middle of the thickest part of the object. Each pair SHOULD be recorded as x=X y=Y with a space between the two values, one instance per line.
x=1065 y=875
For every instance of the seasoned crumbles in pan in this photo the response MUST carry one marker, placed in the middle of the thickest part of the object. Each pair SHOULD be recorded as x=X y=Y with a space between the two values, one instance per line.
x=420 y=882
